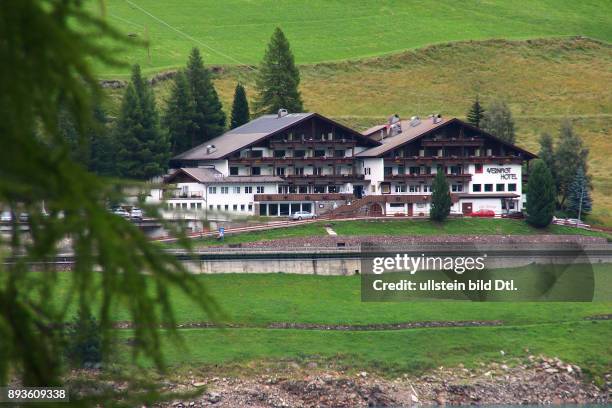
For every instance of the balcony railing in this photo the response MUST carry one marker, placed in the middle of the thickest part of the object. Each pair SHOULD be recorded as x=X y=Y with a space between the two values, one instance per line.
x=304 y=197
x=190 y=194
x=464 y=176
x=291 y=160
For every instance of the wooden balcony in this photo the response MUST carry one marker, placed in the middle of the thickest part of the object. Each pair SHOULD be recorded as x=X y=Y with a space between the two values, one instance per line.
x=416 y=160
x=290 y=161
x=304 y=197
x=472 y=142
x=324 y=177
x=407 y=177
x=311 y=143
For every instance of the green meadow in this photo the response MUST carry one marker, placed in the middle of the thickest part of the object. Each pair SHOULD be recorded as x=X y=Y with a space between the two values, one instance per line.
x=236 y=31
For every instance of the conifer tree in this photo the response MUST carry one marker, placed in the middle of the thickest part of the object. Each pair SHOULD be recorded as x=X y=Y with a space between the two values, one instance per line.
x=498 y=121
x=240 y=107
x=142 y=148
x=440 y=198
x=278 y=78
x=579 y=196
x=540 y=196
x=103 y=148
x=209 y=115
x=476 y=112
x=547 y=155
x=179 y=118
x=570 y=155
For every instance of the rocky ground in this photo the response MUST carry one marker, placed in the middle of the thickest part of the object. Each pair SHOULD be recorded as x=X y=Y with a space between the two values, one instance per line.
x=537 y=380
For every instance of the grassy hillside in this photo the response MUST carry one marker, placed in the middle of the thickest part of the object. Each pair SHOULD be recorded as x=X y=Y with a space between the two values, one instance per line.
x=543 y=80
x=236 y=30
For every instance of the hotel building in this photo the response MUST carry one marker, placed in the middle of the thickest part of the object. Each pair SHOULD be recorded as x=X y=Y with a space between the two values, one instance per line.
x=276 y=165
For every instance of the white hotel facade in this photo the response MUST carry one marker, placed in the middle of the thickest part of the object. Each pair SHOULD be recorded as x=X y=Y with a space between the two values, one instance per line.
x=276 y=165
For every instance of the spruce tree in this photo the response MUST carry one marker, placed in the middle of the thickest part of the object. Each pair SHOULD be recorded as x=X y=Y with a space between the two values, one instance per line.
x=143 y=150
x=103 y=146
x=240 y=107
x=579 y=196
x=440 y=198
x=547 y=155
x=476 y=112
x=570 y=155
x=278 y=78
x=498 y=121
x=540 y=196
x=209 y=115
x=179 y=117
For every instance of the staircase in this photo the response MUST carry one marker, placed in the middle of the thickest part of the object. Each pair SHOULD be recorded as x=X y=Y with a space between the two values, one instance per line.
x=355 y=207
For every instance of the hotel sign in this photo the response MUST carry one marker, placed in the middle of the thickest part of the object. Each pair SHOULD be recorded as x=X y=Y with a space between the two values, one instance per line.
x=505 y=173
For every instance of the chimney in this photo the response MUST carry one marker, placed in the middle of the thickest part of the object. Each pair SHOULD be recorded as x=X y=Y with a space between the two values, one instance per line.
x=282 y=112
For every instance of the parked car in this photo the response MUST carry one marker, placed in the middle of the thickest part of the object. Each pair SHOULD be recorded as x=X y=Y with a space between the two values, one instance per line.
x=6 y=216
x=302 y=215
x=136 y=213
x=483 y=213
x=513 y=214
x=24 y=217
x=121 y=212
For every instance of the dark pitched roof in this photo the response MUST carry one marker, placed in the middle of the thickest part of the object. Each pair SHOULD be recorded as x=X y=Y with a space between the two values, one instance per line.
x=209 y=175
x=253 y=132
x=425 y=127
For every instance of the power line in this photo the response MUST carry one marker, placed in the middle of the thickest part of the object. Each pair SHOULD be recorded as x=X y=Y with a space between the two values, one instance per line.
x=188 y=36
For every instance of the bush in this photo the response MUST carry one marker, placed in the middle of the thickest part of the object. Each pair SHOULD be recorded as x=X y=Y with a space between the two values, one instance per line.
x=84 y=342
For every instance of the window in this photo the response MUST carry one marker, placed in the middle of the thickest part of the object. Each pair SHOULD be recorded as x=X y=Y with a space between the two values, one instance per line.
x=401 y=170
x=257 y=153
x=255 y=171
x=241 y=207
x=218 y=206
x=199 y=206
x=248 y=190
x=400 y=188
x=211 y=207
x=319 y=189
x=250 y=207
x=500 y=187
x=414 y=188
x=212 y=190
x=280 y=171
x=299 y=171
x=476 y=188
x=319 y=153
x=299 y=153
x=226 y=207
x=388 y=171
x=338 y=153
x=237 y=190
x=415 y=170
x=427 y=188
x=235 y=207
x=396 y=205
x=233 y=171
x=192 y=205
x=512 y=187
x=317 y=171
x=224 y=190
x=457 y=188
x=478 y=168
x=488 y=188
x=385 y=188
x=367 y=171
x=279 y=154
x=260 y=189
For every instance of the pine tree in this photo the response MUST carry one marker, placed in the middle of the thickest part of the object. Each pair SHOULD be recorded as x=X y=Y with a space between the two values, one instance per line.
x=77 y=145
x=497 y=120
x=179 y=118
x=103 y=147
x=579 y=196
x=569 y=157
x=240 y=107
x=209 y=115
x=142 y=147
x=476 y=112
x=278 y=79
x=540 y=196
x=440 y=198
x=547 y=155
